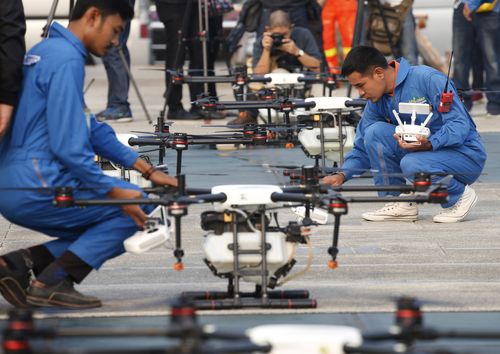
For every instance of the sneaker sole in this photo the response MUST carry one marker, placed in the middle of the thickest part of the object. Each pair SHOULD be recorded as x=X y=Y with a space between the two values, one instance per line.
x=116 y=120
x=390 y=218
x=121 y=120
x=449 y=221
x=43 y=302
x=12 y=291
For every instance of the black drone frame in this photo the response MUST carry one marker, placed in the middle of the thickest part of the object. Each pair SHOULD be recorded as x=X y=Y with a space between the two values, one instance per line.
x=310 y=194
x=191 y=337
x=180 y=142
x=409 y=329
x=284 y=105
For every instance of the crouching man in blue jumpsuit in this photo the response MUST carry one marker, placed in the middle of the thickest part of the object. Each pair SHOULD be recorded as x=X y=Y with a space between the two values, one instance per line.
x=453 y=147
x=52 y=142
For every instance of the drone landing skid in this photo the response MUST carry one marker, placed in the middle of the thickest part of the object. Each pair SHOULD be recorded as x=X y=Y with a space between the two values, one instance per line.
x=277 y=299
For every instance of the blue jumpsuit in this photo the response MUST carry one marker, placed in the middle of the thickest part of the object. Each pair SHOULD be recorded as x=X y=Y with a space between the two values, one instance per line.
x=456 y=144
x=53 y=142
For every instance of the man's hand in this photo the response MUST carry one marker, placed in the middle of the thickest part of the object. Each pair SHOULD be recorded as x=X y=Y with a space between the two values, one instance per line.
x=162 y=179
x=333 y=180
x=289 y=47
x=5 y=118
x=267 y=40
x=422 y=144
x=134 y=211
x=467 y=12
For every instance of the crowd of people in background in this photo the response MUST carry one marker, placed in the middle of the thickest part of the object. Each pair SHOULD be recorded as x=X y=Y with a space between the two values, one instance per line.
x=388 y=26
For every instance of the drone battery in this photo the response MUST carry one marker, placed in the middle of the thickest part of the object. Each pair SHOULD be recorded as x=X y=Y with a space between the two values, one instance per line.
x=156 y=233
x=146 y=240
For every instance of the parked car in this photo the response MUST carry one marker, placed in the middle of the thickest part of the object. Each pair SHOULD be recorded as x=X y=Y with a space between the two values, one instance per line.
x=37 y=12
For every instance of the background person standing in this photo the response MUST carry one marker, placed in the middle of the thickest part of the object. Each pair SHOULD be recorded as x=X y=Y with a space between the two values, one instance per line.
x=12 y=49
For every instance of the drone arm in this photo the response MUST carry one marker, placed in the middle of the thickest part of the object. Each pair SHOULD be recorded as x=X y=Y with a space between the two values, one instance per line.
x=208 y=79
x=356 y=103
x=195 y=191
x=202 y=198
x=145 y=142
x=290 y=197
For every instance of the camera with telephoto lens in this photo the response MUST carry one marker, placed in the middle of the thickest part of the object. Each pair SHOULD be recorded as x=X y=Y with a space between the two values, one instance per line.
x=277 y=39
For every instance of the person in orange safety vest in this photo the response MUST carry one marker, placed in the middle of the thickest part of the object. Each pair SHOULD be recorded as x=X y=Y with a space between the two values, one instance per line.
x=341 y=14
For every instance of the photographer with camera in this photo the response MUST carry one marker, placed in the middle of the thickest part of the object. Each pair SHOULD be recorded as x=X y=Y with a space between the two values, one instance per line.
x=284 y=46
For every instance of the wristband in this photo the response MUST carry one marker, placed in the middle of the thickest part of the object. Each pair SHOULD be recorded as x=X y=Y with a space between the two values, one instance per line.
x=149 y=172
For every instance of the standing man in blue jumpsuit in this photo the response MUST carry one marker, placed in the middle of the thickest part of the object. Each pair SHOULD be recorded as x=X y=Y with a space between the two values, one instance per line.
x=453 y=147
x=53 y=142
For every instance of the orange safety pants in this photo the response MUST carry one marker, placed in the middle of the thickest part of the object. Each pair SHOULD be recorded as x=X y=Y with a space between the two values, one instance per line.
x=341 y=14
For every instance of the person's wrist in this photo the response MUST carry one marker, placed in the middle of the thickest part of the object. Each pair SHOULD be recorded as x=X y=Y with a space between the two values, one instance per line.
x=340 y=173
x=147 y=174
x=299 y=53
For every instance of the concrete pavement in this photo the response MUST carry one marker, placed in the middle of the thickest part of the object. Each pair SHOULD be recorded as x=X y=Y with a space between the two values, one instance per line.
x=457 y=266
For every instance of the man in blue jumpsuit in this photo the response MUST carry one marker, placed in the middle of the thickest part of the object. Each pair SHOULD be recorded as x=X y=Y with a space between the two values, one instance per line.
x=53 y=142
x=453 y=147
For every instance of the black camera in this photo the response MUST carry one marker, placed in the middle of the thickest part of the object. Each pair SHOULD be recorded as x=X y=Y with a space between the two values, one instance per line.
x=277 y=39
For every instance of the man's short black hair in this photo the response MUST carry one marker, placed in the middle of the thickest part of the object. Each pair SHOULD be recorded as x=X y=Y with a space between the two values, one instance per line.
x=107 y=7
x=363 y=59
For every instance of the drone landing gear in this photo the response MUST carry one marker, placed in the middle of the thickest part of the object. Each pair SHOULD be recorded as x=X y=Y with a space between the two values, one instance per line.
x=277 y=299
x=261 y=297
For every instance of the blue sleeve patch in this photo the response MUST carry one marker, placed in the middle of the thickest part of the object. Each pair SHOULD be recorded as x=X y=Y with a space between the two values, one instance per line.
x=30 y=59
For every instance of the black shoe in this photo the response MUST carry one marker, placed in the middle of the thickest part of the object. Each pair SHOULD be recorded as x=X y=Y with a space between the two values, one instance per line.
x=62 y=294
x=182 y=114
x=13 y=285
x=207 y=114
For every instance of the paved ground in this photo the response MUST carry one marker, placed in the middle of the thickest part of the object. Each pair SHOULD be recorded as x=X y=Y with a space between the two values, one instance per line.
x=454 y=266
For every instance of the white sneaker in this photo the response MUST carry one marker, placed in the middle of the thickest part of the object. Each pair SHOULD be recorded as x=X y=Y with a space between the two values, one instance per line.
x=459 y=211
x=394 y=211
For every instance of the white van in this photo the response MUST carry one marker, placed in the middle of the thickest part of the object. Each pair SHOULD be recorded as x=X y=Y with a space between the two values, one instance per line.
x=37 y=12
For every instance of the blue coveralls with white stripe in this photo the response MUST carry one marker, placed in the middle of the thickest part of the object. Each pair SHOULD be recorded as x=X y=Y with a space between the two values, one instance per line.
x=457 y=147
x=53 y=142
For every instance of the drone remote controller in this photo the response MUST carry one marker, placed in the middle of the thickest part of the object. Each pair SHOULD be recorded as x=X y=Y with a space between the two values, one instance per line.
x=410 y=132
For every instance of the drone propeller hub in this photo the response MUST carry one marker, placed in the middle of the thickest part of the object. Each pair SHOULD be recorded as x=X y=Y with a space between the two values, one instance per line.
x=259 y=137
x=422 y=182
x=180 y=141
x=177 y=209
x=440 y=195
x=337 y=206
x=63 y=197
